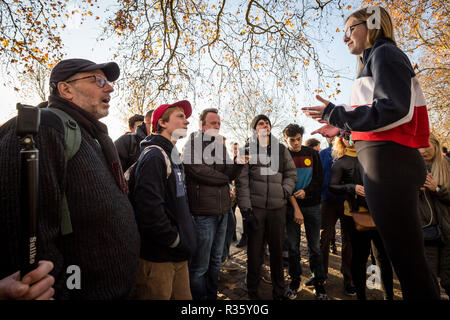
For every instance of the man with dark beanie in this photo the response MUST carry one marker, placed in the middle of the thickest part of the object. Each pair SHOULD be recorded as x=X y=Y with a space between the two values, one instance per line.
x=263 y=187
x=103 y=243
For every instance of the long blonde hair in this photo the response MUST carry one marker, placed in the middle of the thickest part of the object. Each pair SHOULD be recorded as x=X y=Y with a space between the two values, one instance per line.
x=386 y=28
x=339 y=148
x=440 y=165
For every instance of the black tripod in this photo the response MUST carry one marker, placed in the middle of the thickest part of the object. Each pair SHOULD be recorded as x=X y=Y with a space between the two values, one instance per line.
x=27 y=126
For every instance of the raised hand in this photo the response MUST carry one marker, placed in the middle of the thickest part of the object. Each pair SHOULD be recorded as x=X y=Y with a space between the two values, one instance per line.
x=316 y=111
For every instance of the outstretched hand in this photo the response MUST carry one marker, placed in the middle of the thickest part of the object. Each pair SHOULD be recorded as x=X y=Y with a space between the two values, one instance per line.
x=328 y=131
x=316 y=112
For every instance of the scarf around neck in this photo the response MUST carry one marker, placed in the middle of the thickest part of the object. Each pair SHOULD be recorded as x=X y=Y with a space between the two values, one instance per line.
x=98 y=131
x=351 y=152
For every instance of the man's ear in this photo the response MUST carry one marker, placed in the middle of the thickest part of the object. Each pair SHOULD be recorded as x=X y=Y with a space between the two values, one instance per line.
x=161 y=123
x=65 y=90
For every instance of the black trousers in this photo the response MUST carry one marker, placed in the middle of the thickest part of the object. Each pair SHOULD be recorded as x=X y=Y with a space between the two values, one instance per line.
x=362 y=242
x=331 y=212
x=393 y=175
x=271 y=228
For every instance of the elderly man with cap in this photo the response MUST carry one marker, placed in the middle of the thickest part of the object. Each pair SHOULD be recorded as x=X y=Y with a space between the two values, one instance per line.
x=98 y=257
x=263 y=188
x=159 y=198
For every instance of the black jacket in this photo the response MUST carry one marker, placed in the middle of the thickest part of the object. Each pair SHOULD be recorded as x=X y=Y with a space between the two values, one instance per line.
x=346 y=173
x=436 y=204
x=208 y=185
x=161 y=207
x=128 y=146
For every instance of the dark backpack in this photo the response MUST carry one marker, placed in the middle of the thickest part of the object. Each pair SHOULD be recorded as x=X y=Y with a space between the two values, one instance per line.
x=131 y=171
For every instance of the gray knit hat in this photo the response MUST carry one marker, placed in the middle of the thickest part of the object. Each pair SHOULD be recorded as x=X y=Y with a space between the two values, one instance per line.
x=257 y=118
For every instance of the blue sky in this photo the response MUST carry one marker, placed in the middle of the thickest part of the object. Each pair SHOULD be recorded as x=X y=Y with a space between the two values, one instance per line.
x=81 y=42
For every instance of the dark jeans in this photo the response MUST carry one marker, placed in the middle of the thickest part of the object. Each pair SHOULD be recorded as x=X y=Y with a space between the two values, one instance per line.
x=204 y=266
x=292 y=244
x=393 y=175
x=231 y=229
x=362 y=242
x=271 y=226
x=331 y=212
x=313 y=223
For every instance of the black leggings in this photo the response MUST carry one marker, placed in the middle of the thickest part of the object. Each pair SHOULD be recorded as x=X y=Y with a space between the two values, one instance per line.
x=393 y=175
x=362 y=242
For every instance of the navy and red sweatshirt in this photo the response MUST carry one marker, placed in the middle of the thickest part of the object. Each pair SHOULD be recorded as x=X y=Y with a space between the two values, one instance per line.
x=387 y=102
x=309 y=175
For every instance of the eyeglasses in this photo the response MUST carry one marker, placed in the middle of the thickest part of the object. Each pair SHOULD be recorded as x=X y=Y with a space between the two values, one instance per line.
x=99 y=81
x=349 y=30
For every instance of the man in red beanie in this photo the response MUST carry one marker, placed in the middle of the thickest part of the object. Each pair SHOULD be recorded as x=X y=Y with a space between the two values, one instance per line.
x=162 y=210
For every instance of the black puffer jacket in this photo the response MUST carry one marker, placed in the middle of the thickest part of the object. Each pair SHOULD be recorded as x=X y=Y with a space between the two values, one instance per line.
x=346 y=173
x=209 y=172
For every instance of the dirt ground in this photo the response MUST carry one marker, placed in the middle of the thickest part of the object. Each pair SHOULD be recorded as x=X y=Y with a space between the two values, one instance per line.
x=232 y=283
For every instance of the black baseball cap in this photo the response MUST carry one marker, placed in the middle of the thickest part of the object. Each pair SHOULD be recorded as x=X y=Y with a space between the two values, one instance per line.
x=67 y=68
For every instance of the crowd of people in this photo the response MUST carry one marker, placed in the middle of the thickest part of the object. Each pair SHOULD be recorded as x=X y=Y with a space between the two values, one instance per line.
x=144 y=220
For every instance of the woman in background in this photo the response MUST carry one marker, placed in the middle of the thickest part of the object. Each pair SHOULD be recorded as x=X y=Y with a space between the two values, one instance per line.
x=434 y=211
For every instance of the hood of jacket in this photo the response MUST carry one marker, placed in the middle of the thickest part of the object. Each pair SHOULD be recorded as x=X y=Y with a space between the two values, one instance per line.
x=157 y=139
x=141 y=131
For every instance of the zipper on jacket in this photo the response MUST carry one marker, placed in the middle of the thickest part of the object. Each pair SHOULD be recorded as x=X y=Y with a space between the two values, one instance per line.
x=198 y=191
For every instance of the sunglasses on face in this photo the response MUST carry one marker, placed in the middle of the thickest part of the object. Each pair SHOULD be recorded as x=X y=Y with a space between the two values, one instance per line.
x=349 y=30
x=99 y=81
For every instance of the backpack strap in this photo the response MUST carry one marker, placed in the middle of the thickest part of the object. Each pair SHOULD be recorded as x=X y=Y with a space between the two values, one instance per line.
x=166 y=158
x=72 y=137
